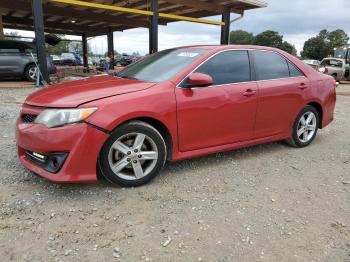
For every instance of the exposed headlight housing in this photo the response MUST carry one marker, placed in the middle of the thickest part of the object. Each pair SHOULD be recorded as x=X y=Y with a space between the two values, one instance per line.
x=60 y=117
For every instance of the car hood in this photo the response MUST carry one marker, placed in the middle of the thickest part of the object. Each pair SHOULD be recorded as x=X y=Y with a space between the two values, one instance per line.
x=75 y=93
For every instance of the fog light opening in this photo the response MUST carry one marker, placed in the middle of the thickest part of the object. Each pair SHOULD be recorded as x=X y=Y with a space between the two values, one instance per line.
x=54 y=163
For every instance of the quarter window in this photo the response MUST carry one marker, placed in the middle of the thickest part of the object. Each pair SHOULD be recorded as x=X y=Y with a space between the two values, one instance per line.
x=227 y=67
x=270 y=65
x=294 y=71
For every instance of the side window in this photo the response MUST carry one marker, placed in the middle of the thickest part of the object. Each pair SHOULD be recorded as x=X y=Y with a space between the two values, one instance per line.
x=227 y=67
x=294 y=71
x=8 y=47
x=270 y=65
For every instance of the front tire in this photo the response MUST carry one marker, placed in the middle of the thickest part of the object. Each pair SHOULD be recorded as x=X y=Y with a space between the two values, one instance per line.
x=305 y=127
x=133 y=155
x=30 y=72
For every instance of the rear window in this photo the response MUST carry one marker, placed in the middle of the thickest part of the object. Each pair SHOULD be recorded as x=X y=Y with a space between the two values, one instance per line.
x=270 y=65
x=8 y=46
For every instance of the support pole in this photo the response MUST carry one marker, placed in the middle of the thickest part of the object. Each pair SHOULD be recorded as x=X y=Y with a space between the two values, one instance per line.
x=85 y=51
x=110 y=41
x=40 y=38
x=2 y=35
x=153 y=29
x=225 y=29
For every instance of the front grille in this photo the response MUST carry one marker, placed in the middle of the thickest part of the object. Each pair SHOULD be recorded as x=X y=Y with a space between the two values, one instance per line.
x=28 y=118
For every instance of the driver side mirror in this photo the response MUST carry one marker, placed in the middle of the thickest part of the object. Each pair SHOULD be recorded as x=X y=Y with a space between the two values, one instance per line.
x=199 y=79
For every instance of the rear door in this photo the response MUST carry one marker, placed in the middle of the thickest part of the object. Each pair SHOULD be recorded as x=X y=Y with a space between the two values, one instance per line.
x=10 y=58
x=220 y=114
x=282 y=88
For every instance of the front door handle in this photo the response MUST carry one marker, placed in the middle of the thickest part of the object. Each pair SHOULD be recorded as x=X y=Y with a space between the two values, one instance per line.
x=249 y=92
x=303 y=86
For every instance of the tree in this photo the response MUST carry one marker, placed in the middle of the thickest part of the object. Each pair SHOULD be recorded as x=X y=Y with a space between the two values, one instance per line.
x=315 y=48
x=274 y=39
x=269 y=38
x=322 y=45
x=240 y=37
x=289 y=48
x=338 y=38
x=61 y=47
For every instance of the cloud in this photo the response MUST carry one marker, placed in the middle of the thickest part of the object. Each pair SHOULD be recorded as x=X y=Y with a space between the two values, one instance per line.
x=297 y=20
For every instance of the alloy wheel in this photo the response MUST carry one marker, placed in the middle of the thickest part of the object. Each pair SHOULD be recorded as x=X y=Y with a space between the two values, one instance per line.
x=32 y=72
x=133 y=156
x=306 y=127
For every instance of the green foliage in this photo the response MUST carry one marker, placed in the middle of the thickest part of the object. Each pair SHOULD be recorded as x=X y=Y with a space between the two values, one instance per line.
x=62 y=47
x=240 y=37
x=274 y=39
x=66 y=47
x=267 y=38
x=323 y=44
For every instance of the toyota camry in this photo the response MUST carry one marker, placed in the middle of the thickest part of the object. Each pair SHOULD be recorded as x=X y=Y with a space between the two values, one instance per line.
x=176 y=104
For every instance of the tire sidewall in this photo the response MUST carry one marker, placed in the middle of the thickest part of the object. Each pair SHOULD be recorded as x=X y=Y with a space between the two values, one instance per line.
x=132 y=128
x=295 y=137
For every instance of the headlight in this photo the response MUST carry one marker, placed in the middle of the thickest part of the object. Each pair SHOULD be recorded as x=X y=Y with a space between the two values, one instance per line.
x=60 y=117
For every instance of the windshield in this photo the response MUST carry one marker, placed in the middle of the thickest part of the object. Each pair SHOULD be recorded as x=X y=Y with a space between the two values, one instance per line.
x=163 y=65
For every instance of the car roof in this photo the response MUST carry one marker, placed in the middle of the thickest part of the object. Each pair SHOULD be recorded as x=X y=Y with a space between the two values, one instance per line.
x=227 y=47
x=24 y=43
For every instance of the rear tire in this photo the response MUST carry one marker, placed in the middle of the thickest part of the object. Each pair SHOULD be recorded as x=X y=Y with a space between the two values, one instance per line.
x=305 y=127
x=133 y=155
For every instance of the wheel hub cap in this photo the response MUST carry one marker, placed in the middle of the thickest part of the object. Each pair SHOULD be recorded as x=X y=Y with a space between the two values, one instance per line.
x=133 y=156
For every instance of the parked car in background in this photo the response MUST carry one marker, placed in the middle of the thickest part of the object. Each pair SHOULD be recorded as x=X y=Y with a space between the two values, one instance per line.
x=95 y=60
x=336 y=67
x=16 y=60
x=68 y=59
x=179 y=103
x=117 y=59
x=313 y=63
x=56 y=59
x=125 y=60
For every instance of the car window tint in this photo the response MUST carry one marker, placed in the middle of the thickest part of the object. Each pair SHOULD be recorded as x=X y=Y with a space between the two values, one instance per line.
x=293 y=70
x=270 y=65
x=227 y=67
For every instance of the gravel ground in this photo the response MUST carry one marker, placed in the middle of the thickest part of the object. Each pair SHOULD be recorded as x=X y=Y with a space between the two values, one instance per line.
x=265 y=203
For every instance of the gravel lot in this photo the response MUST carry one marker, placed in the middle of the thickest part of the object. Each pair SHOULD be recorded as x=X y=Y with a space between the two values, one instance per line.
x=265 y=203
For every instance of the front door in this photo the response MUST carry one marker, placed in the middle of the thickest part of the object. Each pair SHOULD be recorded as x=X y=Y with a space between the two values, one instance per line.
x=220 y=114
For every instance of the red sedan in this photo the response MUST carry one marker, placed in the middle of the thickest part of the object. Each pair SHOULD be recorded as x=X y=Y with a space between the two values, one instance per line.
x=175 y=104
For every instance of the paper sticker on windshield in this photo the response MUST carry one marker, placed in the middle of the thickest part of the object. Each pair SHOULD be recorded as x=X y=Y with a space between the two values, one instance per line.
x=188 y=54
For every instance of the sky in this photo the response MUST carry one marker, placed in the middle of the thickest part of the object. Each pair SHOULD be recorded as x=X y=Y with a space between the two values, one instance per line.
x=296 y=20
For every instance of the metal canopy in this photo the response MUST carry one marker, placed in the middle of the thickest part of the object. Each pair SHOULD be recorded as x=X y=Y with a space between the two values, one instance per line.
x=65 y=18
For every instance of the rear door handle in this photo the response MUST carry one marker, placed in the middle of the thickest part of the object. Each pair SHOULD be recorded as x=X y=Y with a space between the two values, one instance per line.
x=249 y=92
x=303 y=86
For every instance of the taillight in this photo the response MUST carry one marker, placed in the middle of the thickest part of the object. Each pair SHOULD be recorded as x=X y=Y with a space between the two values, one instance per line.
x=323 y=70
